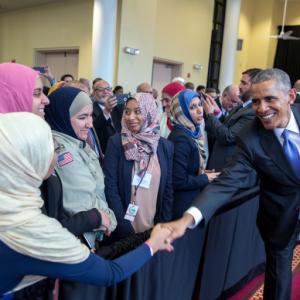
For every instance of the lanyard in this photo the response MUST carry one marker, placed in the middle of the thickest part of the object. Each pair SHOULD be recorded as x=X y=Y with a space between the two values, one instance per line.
x=141 y=180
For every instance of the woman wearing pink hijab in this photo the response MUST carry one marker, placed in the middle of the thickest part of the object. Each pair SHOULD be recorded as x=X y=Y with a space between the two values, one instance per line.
x=17 y=84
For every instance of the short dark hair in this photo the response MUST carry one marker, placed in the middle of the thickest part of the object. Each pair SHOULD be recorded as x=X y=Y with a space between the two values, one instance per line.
x=210 y=90
x=282 y=78
x=62 y=78
x=96 y=80
x=252 y=72
x=200 y=87
x=117 y=87
x=189 y=85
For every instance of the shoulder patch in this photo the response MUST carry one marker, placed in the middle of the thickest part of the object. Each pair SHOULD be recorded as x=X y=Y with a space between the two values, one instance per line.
x=64 y=159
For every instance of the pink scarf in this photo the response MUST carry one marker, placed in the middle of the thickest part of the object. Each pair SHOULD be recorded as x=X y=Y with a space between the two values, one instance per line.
x=16 y=87
x=140 y=146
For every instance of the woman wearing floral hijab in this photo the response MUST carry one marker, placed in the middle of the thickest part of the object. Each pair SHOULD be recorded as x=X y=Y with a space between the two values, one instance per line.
x=138 y=169
x=189 y=175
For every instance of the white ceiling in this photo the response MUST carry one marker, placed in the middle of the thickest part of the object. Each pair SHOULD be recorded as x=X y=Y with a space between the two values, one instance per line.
x=6 y=5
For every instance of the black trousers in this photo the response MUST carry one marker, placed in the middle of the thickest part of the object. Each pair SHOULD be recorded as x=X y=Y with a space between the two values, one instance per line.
x=278 y=276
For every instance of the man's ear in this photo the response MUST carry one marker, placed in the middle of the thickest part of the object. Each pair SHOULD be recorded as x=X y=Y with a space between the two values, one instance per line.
x=292 y=95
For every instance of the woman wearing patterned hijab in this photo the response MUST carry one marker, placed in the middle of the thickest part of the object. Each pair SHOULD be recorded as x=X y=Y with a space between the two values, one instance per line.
x=138 y=169
x=189 y=175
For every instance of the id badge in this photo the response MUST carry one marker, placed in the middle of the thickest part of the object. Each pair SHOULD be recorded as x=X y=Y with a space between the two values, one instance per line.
x=131 y=212
x=145 y=183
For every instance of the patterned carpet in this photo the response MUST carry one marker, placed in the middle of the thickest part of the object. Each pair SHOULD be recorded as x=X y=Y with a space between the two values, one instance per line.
x=254 y=289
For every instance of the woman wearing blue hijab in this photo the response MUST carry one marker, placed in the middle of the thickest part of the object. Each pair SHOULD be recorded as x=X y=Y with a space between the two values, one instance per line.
x=189 y=175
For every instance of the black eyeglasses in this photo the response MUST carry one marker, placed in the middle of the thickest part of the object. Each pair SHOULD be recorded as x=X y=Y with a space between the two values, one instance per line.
x=108 y=89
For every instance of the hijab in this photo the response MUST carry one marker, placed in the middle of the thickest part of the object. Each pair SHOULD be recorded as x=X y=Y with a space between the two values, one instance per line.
x=16 y=86
x=25 y=155
x=140 y=146
x=183 y=120
x=181 y=114
x=65 y=102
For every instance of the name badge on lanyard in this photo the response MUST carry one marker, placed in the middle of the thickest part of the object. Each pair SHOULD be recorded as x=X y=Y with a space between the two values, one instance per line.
x=142 y=182
x=131 y=212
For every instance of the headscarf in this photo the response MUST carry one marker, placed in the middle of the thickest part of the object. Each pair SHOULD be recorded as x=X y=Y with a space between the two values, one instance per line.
x=140 y=146
x=181 y=114
x=172 y=89
x=16 y=86
x=183 y=120
x=64 y=104
x=55 y=86
x=25 y=155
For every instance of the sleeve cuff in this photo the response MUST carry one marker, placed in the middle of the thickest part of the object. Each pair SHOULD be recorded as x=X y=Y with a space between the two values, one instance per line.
x=150 y=248
x=196 y=214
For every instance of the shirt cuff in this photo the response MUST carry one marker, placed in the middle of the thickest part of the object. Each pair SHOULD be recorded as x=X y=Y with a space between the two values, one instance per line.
x=219 y=115
x=196 y=214
x=150 y=248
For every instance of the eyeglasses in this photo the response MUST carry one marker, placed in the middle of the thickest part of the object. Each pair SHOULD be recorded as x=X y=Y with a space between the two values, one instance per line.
x=107 y=89
x=58 y=147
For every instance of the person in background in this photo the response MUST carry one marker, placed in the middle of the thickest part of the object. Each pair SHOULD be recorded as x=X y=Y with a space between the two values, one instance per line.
x=107 y=113
x=297 y=90
x=138 y=169
x=189 y=174
x=32 y=243
x=167 y=93
x=144 y=88
x=118 y=90
x=86 y=83
x=67 y=78
x=189 y=85
x=155 y=94
x=200 y=89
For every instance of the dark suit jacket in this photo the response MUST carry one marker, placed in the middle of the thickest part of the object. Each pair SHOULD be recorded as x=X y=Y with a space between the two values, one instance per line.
x=225 y=135
x=106 y=128
x=259 y=150
x=186 y=181
x=118 y=173
x=51 y=192
x=297 y=100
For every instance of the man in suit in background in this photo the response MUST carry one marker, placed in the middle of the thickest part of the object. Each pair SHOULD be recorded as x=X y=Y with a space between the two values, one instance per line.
x=107 y=113
x=224 y=134
x=269 y=146
x=297 y=89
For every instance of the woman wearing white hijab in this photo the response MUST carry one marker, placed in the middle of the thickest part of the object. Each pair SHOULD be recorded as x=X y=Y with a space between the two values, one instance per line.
x=32 y=243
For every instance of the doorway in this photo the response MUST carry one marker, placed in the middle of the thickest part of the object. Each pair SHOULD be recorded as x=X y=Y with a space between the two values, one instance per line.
x=60 y=61
x=163 y=71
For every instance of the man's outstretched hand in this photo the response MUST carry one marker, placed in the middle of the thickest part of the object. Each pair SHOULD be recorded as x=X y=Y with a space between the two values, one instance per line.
x=178 y=227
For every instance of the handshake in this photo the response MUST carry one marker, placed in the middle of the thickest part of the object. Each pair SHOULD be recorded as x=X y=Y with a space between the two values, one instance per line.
x=163 y=234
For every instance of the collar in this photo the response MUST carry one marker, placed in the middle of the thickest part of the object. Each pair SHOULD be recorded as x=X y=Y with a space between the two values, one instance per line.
x=247 y=103
x=291 y=126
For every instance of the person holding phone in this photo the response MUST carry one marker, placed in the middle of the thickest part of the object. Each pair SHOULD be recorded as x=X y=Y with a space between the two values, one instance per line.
x=107 y=113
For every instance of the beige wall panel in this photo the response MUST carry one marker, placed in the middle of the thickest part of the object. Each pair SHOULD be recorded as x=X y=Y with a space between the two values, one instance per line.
x=64 y=24
x=183 y=34
x=136 y=30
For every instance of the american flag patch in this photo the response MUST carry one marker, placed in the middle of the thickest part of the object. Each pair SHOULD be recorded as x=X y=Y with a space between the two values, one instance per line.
x=64 y=159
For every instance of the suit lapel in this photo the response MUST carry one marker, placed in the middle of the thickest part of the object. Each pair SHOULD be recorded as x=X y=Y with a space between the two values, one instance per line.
x=127 y=175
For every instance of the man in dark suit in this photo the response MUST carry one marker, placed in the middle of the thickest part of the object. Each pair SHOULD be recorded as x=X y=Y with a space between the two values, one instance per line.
x=224 y=134
x=269 y=146
x=107 y=113
x=297 y=89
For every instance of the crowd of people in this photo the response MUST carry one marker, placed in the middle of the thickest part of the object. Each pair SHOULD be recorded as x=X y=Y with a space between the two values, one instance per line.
x=88 y=166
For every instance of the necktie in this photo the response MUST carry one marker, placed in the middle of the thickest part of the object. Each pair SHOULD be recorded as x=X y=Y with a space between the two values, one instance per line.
x=291 y=152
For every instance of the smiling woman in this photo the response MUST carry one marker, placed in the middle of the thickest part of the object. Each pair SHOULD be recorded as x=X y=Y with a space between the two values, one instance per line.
x=17 y=83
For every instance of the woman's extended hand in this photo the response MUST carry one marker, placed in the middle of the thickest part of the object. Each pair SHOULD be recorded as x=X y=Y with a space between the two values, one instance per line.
x=159 y=239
